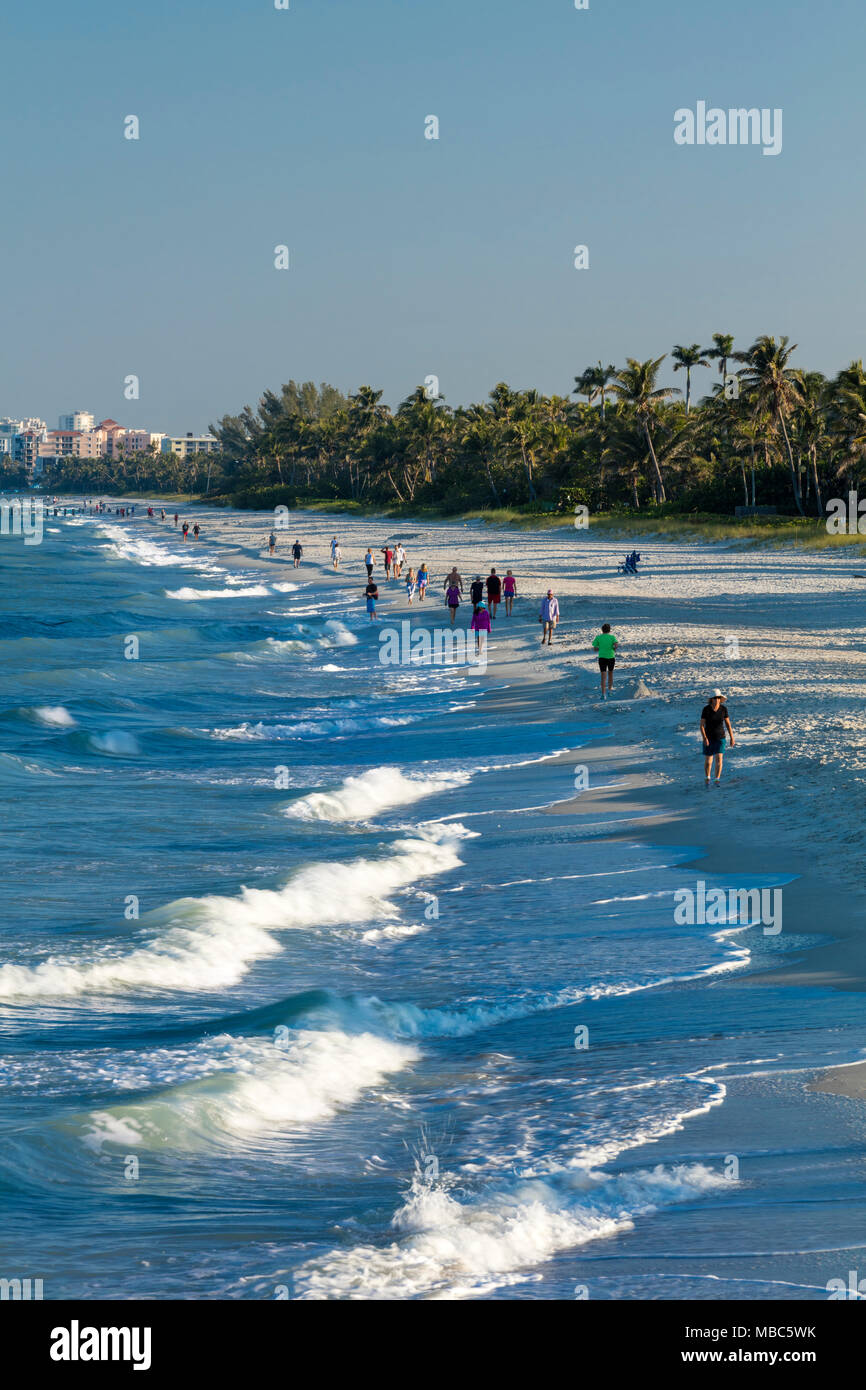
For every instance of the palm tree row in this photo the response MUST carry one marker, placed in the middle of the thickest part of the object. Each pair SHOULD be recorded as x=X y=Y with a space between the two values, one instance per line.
x=766 y=433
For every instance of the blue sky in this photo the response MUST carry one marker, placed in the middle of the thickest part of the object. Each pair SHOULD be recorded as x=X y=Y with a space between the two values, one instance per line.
x=412 y=257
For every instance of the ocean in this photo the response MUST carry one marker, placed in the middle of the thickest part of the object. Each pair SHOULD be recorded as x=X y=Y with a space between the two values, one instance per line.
x=308 y=990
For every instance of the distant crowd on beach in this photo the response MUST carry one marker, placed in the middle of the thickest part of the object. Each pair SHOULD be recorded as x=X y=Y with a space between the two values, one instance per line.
x=485 y=597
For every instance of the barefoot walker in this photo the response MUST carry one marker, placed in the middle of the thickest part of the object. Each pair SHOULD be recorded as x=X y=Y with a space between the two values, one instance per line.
x=606 y=645
x=714 y=722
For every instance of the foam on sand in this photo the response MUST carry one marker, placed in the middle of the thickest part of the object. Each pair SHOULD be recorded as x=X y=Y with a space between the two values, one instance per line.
x=379 y=789
x=210 y=943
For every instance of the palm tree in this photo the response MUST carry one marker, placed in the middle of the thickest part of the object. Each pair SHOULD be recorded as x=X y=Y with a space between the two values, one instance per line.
x=424 y=419
x=593 y=383
x=636 y=386
x=476 y=433
x=686 y=358
x=748 y=431
x=777 y=388
x=812 y=432
x=721 y=351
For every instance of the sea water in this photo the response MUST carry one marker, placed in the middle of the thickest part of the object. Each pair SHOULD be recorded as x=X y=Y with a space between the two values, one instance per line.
x=308 y=990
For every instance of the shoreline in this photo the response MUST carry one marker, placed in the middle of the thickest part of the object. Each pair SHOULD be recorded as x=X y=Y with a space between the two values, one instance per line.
x=660 y=797
x=782 y=532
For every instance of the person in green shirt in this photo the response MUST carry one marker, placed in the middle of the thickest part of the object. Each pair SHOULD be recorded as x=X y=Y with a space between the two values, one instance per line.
x=606 y=645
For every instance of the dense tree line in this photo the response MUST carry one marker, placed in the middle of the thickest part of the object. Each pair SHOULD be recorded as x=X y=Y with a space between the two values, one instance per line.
x=141 y=471
x=766 y=433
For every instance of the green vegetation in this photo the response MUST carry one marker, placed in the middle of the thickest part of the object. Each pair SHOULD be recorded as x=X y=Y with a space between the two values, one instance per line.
x=147 y=473
x=768 y=434
x=637 y=456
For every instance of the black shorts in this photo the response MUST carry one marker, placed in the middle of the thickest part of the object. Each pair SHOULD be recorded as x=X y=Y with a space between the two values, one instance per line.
x=606 y=663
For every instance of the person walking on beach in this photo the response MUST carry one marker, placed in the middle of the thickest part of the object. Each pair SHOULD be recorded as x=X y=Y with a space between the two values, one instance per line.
x=399 y=559
x=371 y=594
x=334 y=549
x=509 y=589
x=453 y=590
x=336 y=555
x=389 y=557
x=410 y=585
x=605 y=644
x=196 y=530
x=175 y=518
x=455 y=577
x=185 y=529
x=480 y=625
x=548 y=617
x=423 y=581
x=297 y=552
x=272 y=543
x=161 y=513
x=368 y=561
x=494 y=590
x=476 y=592
x=714 y=723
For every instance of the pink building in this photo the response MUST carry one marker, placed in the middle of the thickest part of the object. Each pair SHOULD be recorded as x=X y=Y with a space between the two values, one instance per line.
x=58 y=444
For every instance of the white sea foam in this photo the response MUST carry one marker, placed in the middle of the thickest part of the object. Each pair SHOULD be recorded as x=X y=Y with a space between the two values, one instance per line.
x=312 y=728
x=253 y=1087
x=377 y=790
x=394 y=932
x=195 y=595
x=210 y=943
x=55 y=716
x=450 y=1249
x=127 y=545
x=338 y=634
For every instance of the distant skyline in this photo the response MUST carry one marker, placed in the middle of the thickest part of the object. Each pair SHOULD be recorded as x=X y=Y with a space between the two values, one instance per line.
x=409 y=257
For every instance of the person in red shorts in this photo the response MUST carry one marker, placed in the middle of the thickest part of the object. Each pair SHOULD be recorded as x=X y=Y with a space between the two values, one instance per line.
x=494 y=592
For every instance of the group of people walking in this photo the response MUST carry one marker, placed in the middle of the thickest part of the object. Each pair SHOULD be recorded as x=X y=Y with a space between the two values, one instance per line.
x=486 y=595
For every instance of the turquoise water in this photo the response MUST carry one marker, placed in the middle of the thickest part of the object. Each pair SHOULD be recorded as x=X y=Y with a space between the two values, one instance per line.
x=293 y=960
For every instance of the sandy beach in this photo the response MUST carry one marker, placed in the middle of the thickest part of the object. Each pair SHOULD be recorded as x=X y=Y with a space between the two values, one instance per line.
x=781 y=632
x=443 y=965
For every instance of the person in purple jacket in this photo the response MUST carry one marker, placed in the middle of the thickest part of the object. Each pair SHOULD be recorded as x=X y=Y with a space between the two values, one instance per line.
x=548 y=617
x=480 y=625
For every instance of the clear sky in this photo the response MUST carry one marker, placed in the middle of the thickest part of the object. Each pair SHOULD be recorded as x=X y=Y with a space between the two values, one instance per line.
x=410 y=256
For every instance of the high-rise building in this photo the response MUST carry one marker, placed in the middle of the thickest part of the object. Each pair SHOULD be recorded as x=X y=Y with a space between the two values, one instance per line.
x=78 y=420
x=184 y=445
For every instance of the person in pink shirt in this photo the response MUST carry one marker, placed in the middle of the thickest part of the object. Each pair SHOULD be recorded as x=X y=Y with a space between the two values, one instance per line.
x=480 y=624
x=509 y=589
